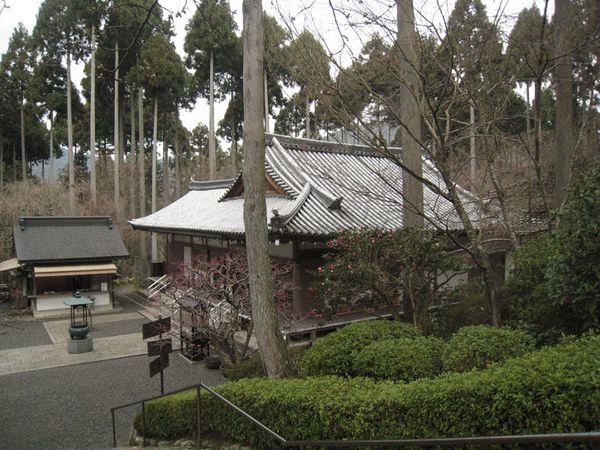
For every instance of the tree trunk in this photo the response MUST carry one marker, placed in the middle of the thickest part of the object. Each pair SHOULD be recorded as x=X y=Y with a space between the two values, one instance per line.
x=212 y=156
x=307 y=118
x=264 y=315
x=154 y=164
x=23 y=154
x=51 y=156
x=14 y=165
x=166 y=171
x=177 y=168
x=564 y=97
x=93 y=190
x=266 y=89
x=142 y=172
x=500 y=194
x=133 y=155
x=142 y=153
x=528 y=115
x=70 y=137
x=410 y=113
x=480 y=255
x=234 y=155
x=116 y=124
x=122 y=132
x=537 y=139
x=473 y=154
x=1 y=166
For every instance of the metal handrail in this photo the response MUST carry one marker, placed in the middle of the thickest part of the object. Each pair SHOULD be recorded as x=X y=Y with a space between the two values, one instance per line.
x=159 y=285
x=591 y=436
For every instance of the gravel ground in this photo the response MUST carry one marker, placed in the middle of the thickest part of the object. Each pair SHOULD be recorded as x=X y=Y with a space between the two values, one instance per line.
x=69 y=407
x=108 y=329
x=16 y=332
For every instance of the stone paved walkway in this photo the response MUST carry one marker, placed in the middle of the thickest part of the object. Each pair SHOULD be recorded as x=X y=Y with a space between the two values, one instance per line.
x=58 y=330
x=55 y=355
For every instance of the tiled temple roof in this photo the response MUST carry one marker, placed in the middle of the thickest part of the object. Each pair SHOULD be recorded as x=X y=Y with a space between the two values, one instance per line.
x=322 y=188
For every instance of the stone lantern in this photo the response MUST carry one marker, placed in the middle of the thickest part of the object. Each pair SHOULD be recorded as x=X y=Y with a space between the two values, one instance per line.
x=79 y=328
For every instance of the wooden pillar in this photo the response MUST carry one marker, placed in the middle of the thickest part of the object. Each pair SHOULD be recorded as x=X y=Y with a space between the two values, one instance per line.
x=297 y=294
x=111 y=292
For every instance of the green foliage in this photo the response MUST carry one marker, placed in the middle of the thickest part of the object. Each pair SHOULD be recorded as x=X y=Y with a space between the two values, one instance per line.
x=556 y=389
x=475 y=41
x=524 y=45
x=404 y=359
x=464 y=305
x=62 y=26
x=573 y=277
x=16 y=73
x=211 y=33
x=308 y=64
x=373 y=268
x=335 y=354
x=556 y=284
x=161 y=71
x=478 y=346
x=525 y=295
x=251 y=367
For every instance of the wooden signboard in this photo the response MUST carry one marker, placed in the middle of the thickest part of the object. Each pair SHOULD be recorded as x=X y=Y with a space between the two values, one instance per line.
x=163 y=346
x=155 y=328
x=157 y=365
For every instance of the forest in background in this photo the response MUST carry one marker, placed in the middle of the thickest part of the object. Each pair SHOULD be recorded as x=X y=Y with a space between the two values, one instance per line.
x=491 y=98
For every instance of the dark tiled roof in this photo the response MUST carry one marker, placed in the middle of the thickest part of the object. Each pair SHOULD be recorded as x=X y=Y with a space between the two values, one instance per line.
x=63 y=239
x=209 y=185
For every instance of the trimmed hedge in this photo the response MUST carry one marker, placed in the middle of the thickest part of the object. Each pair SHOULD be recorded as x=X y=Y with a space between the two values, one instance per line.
x=404 y=359
x=556 y=389
x=335 y=354
x=478 y=346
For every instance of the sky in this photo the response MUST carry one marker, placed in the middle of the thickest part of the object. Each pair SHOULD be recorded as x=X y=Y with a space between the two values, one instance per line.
x=313 y=14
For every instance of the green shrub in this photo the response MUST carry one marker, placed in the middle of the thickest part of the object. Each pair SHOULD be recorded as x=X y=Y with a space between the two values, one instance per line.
x=477 y=346
x=463 y=305
x=335 y=353
x=573 y=277
x=556 y=389
x=251 y=367
x=404 y=359
x=526 y=297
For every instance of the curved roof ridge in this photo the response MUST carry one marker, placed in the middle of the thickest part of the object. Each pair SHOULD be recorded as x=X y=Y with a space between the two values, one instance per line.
x=283 y=216
x=330 y=200
x=206 y=185
x=289 y=173
x=318 y=145
x=234 y=182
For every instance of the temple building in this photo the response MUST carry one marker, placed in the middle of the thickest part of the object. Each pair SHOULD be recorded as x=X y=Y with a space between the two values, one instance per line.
x=315 y=189
x=57 y=256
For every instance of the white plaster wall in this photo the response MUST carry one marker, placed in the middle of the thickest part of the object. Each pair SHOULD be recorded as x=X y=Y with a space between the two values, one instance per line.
x=100 y=298
x=54 y=302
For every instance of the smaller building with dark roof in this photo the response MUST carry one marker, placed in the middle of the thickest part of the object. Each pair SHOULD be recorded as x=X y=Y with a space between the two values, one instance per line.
x=58 y=256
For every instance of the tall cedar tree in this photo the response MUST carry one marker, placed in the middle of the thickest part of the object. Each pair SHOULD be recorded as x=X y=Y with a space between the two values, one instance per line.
x=308 y=65
x=264 y=314
x=211 y=45
x=62 y=30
